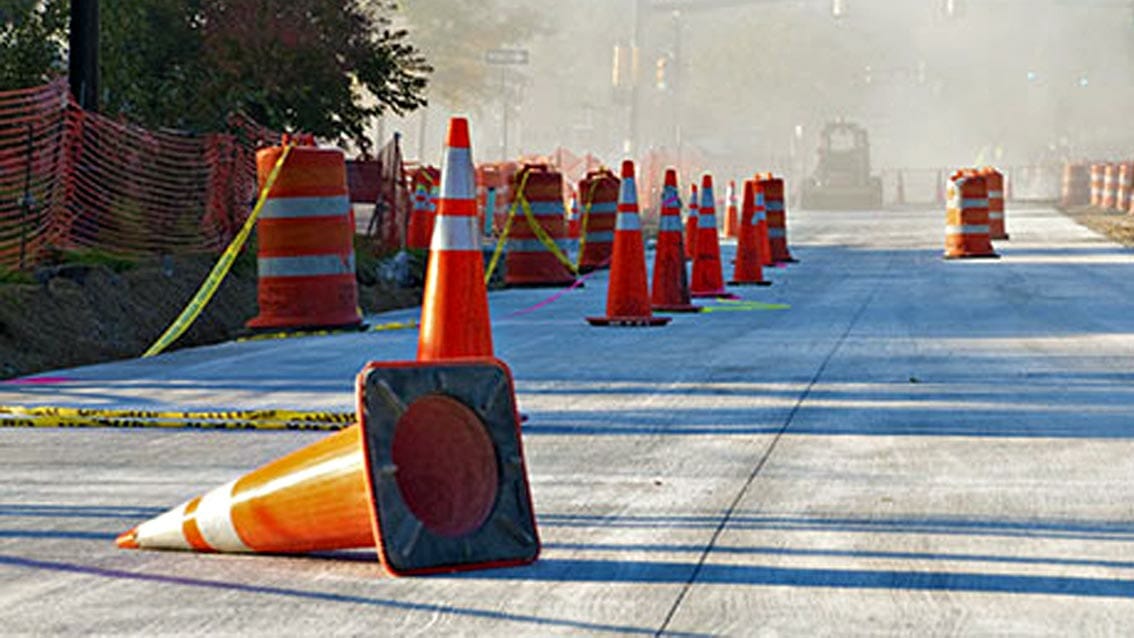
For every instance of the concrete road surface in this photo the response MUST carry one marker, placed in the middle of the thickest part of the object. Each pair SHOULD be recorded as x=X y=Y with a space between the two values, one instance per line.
x=916 y=447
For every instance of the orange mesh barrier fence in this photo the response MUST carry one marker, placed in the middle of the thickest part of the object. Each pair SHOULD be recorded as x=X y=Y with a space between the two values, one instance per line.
x=72 y=179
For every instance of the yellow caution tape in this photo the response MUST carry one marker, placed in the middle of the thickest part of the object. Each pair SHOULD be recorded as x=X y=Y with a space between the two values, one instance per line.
x=269 y=419
x=590 y=201
x=543 y=237
x=382 y=327
x=499 y=250
x=220 y=270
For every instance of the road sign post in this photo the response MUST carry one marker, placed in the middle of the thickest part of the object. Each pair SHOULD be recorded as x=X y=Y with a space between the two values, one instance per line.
x=505 y=58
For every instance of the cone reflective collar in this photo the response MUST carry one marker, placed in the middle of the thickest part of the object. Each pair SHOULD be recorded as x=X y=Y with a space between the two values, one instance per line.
x=454 y=310
x=628 y=295
x=433 y=477
x=708 y=276
x=670 y=292
x=748 y=270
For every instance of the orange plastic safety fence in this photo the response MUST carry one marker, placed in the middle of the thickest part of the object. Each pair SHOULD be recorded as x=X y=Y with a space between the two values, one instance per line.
x=72 y=179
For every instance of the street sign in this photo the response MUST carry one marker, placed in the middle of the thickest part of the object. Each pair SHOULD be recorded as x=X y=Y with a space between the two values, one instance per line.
x=506 y=57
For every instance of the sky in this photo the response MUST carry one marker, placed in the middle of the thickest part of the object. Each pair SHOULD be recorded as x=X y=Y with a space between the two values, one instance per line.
x=748 y=85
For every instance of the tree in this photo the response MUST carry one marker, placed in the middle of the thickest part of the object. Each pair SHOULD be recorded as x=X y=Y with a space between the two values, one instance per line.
x=31 y=41
x=455 y=34
x=312 y=65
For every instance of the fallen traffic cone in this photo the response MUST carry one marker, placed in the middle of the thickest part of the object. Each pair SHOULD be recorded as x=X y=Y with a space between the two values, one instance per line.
x=670 y=291
x=433 y=477
x=627 y=298
x=454 y=310
x=730 y=224
x=691 y=223
x=708 y=278
x=748 y=271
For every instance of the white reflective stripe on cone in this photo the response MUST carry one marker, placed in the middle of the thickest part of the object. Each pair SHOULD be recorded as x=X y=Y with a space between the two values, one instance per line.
x=628 y=191
x=546 y=209
x=777 y=233
x=774 y=206
x=605 y=236
x=604 y=207
x=457 y=180
x=669 y=222
x=708 y=220
x=306 y=266
x=455 y=232
x=995 y=215
x=214 y=520
x=628 y=221
x=967 y=229
x=164 y=532
x=294 y=207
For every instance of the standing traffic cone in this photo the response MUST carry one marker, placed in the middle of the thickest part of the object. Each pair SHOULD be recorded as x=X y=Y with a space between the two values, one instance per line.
x=708 y=278
x=432 y=477
x=671 y=285
x=748 y=270
x=454 y=310
x=730 y=224
x=628 y=298
x=691 y=223
x=573 y=219
x=762 y=240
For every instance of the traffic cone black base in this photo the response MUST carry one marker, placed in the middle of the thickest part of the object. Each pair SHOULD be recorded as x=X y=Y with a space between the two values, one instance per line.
x=628 y=322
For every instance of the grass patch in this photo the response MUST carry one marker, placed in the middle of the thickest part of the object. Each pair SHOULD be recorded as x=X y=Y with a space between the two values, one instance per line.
x=94 y=257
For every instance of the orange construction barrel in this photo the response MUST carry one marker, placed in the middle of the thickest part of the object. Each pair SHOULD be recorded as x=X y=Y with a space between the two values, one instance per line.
x=306 y=252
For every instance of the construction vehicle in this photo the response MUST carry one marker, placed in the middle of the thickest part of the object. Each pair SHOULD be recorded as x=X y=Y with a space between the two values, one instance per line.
x=842 y=179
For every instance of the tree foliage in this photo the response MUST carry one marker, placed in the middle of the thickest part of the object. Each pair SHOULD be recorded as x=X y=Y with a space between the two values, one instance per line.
x=313 y=65
x=30 y=51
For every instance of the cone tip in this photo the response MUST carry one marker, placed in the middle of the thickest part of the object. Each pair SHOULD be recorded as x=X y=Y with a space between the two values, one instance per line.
x=458 y=133
x=671 y=177
x=128 y=540
x=627 y=169
x=706 y=181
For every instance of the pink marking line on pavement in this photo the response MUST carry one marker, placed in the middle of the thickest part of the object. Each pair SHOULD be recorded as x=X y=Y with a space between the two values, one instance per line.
x=36 y=381
x=557 y=296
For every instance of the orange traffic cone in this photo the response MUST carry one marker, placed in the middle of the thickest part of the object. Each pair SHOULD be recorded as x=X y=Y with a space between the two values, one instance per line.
x=708 y=278
x=454 y=310
x=748 y=271
x=671 y=285
x=628 y=299
x=691 y=223
x=763 y=242
x=433 y=477
x=730 y=225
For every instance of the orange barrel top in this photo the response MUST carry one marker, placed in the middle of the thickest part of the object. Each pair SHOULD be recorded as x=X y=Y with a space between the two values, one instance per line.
x=306 y=251
x=530 y=262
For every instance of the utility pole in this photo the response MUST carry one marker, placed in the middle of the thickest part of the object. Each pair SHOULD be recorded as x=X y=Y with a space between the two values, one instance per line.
x=83 y=57
x=635 y=47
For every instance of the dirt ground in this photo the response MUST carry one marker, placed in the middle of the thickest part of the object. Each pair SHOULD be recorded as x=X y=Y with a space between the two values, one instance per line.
x=1116 y=225
x=80 y=314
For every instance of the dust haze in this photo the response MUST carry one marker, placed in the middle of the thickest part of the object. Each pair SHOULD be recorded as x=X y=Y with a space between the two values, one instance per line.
x=748 y=85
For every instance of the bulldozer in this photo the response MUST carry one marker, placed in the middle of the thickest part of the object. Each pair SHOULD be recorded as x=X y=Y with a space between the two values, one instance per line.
x=842 y=179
